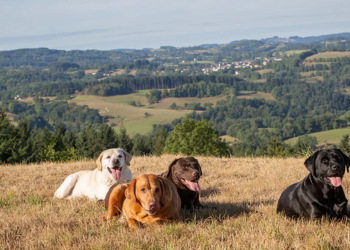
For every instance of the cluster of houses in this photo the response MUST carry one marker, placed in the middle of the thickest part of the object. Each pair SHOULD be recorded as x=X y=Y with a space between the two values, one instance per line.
x=246 y=64
x=217 y=67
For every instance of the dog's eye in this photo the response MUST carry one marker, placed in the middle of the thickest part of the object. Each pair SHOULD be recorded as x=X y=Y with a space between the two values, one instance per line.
x=325 y=160
x=185 y=167
x=108 y=157
x=156 y=190
x=119 y=156
x=337 y=157
x=143 y=189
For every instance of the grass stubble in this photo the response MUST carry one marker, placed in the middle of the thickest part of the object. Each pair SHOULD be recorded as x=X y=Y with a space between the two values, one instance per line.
x=240 y=195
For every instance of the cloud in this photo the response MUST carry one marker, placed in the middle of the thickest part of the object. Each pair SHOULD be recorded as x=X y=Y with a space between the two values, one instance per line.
x=48 y=37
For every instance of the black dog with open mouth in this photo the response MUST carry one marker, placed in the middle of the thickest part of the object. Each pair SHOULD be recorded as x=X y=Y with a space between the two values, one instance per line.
x=320 y=193
x=185 y=173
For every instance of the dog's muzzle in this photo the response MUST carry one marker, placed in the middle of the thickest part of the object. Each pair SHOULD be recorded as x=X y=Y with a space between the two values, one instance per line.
x=110 y=171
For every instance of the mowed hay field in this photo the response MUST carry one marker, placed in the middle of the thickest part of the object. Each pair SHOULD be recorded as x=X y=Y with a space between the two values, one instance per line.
x=256 y=95
x=240 y=196
x=133 y=118
x=329 y=136
x=330 y=54
x=325 y=55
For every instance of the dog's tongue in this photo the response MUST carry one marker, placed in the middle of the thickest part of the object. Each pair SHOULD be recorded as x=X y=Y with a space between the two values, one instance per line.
x=115 y=174
x=336 y=181
x=194 y=186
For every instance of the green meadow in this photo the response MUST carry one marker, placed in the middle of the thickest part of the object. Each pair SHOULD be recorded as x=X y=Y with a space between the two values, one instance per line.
x=331 y=136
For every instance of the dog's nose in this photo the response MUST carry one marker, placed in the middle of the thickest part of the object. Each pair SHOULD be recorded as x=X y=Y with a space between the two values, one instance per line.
x=153 y=204
x=196 y=174
x=115 y=161
x=335 y=167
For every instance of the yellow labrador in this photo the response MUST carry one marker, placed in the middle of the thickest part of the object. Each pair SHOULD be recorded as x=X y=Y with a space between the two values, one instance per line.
x=112 y=165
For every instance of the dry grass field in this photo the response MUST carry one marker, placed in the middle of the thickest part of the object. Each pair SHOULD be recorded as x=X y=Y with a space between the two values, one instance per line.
x=263 y=71
x=240 y=196
x=329 y=54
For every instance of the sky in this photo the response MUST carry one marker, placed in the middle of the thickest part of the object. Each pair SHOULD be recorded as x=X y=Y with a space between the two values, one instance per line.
x=137 y=24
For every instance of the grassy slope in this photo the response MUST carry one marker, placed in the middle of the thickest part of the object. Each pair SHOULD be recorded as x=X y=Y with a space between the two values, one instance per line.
x=165 y=103
x=296 y=52
x=330 y=136
x=240 y=196
x=257 y=95
x=134 y=118
x=330 y=54
x=263 y=71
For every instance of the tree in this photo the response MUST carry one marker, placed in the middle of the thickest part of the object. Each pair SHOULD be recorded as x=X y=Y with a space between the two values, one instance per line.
x=173 y=106
x=193 y=137
x=158 y=140
x=107 y=137
x=124 y=139
x=141 y=145
x=306 y=143
x=7 y=139
x=345 y=144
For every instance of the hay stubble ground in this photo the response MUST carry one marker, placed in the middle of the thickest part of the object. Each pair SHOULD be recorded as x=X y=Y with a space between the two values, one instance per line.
x=240 y=195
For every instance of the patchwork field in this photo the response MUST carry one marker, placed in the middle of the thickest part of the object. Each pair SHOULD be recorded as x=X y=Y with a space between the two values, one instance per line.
x=263 y=71
x=255 y=95
x=330 y=136
x=139 y=119
x=330 y=54
x=240 y=196
x=165 y=103
x=229 y=139
x=295 y=52
x=312 y=72
x=135 y=119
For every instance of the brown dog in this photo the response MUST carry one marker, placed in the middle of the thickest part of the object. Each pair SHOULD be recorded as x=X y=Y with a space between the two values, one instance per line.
x=147 y=199
x=185 y=173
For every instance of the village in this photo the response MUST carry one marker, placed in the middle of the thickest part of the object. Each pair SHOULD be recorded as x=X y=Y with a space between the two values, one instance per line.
x=245 y=64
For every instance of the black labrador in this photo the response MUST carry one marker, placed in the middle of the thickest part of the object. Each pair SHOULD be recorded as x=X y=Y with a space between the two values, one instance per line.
x=185 y=173
x=320 y=193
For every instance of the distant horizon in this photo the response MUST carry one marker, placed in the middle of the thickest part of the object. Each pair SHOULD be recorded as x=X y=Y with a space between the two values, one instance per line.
x=193 y=45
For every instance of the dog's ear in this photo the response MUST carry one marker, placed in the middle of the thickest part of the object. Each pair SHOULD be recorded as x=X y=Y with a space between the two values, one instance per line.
x=128 y=157
x=130 y=191
x=166 y=192
x=99 y=162
x=310 y=163
x=346 y=160
x=199 y=167
x=170 y=166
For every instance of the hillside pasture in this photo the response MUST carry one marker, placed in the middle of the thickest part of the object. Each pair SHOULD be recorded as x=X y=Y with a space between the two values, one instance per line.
x=329 y=54
x=240 y=196
x=308 y=63
x=90 y=71
x=312 y=72
x=229 y=139
x=134 y=118
x=333 y=136
x=315 y=79
x=256 y=95
x=259 y=80
x=180 y=101
x=295 y=52
x=263 y=71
